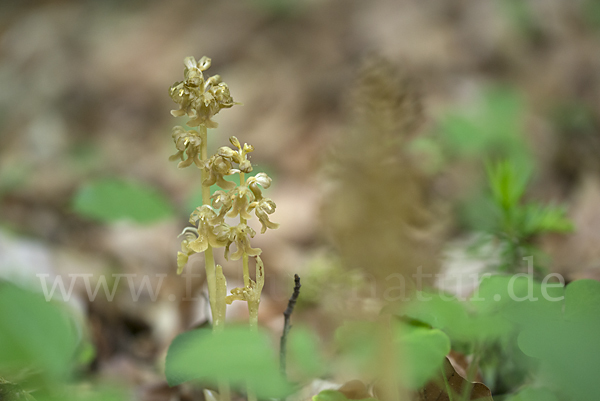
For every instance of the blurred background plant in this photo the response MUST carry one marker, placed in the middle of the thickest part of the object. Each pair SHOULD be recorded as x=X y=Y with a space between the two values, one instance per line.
x=85 y=187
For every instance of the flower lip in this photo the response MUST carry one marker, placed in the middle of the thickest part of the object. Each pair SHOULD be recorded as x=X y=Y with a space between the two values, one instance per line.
x=261 y=178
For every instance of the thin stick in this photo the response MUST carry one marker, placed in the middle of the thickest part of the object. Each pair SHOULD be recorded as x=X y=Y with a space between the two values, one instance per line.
x=287 y=326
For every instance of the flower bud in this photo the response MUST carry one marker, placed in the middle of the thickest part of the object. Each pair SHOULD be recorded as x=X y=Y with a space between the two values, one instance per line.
x=235 y=142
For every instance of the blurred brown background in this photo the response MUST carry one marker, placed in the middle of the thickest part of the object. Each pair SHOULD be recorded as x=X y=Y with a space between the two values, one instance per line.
x=84 y=96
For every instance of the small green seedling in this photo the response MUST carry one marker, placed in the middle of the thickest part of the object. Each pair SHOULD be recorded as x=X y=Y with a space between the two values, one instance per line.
x=515 y=223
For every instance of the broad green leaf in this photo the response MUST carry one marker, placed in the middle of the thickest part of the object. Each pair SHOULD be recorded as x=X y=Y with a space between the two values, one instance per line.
x=461 y=321
x=421 y=350
x=236 y=355
x=517 y=298
x=34 y=333
x=303 y=353
x=329 y=395
x=493 y=293
x=534 y=394
x=86 y=393
x=440 y=312
x=568 y=348
x=360 y=341
x=569 y=355
x=582 y=301
x=422 y=354
x=109 y=200
x=334 y=395
x=492 y=127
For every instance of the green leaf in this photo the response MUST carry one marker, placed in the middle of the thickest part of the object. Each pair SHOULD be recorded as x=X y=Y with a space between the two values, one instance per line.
x=34 y=333
x=109 y=200
x=582 y=301
x=492 y=127
x=446 y=314
x=329 y=395
x=519 y=299
x=303 y=353
x=421 y=350
x=360 y=342
x=422 y=353
x=334 y=395
x=568 y=348
x=534 y=394
x=87 y=393
x=569 y=356
x=508 y=184
x=461 y=321
x=236 y=355
x=538 y=219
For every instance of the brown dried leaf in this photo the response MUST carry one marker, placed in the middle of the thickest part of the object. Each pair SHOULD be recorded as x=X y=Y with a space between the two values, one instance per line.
x=354 y=390
x=435 y=390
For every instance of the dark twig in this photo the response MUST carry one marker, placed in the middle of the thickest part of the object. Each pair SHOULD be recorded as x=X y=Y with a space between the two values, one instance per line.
x=287 y=326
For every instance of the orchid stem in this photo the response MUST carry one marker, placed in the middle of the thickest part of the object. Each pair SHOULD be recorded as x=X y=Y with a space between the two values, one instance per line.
x=209 y=260
x=217 y=310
